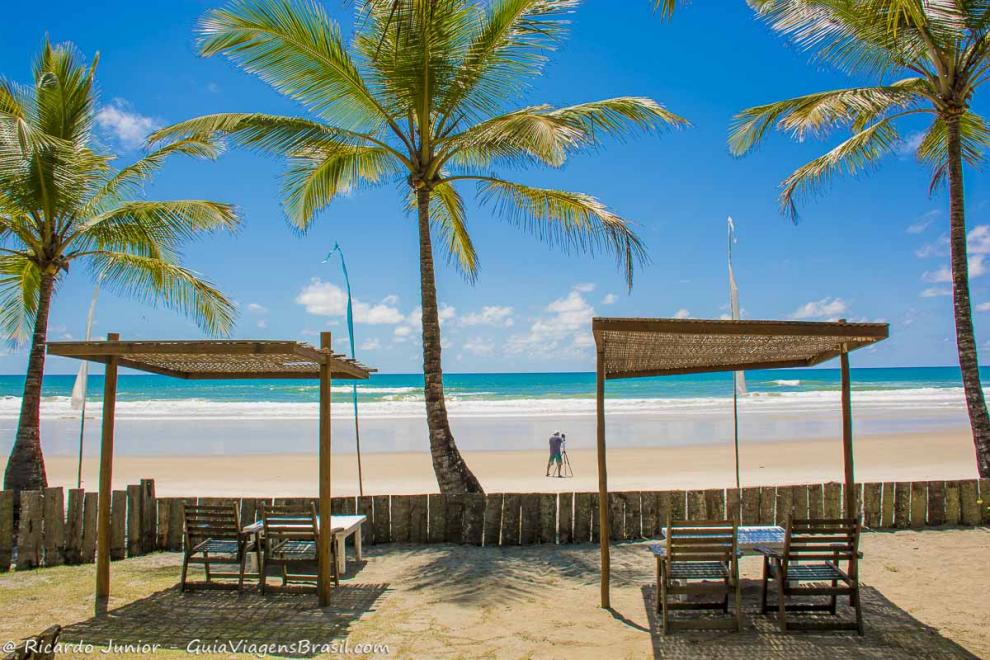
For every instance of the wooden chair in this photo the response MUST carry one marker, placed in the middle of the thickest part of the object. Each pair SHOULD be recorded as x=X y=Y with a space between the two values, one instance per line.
x=813 y=550
x=291 y=534
x=699 y=558
x=213 y=536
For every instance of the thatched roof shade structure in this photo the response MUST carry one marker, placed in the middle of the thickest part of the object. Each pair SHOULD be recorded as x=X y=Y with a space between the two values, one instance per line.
x=219 y=360
x=640 y=347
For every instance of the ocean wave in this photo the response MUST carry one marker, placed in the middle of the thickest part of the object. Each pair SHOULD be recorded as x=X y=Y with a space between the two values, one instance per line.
x=786 y=383
x=408 y=406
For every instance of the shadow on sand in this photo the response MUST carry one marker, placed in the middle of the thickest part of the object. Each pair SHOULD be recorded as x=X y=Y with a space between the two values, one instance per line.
x=890 y=633
x=288 y=624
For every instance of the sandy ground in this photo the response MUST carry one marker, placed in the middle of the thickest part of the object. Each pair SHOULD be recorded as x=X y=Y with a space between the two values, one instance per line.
x=905 y=457
x=924 y=596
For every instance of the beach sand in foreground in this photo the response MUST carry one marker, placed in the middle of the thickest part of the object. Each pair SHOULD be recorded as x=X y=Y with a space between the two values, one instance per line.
x=924 y=596
x=900 y=457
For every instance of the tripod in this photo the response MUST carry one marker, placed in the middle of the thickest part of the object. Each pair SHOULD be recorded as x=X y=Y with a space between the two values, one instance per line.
x=566 y=471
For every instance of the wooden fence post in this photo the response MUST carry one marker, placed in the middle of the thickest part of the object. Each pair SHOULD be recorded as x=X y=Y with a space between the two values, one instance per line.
x=872 y=494
x=400 y=518
x=383 y=519
x=149 y=516
x=473 y=519
x=696 y=505
x=118 y=525
x=565 y=518
x=493 y=518
x=715 y=504
x=816 y=501
x=74 y=526
x=784 y=505
x=366 y=508
x=833 y=500
x=134 y=511
x=91 y=506
x=936 y=503
x=968 y=496
x=454 y=518
x=648 y=506
x=751 y=506
x=510 y=519
x=417 y=518
x=582 y=517
x=902 y=505
x=53 y=512
x=6 y=529
x=529 y=506
x=438 y=518
x=29 y=533
x=888 y=498
x=952 y=504
x=919 y=503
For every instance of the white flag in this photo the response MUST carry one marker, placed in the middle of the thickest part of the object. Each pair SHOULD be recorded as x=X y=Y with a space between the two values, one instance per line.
x=740 y=377
x=79 y=389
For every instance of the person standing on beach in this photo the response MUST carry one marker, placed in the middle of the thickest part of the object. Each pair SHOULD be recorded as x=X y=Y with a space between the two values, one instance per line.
x=556 y=442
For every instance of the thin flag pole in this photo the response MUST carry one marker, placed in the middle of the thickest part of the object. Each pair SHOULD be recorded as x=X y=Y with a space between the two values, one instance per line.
x=78 y=400
x=738 y=379
x=350 y=333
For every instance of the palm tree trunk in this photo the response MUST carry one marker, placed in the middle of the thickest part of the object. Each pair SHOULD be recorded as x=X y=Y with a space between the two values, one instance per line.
x=965 y=341
x=26 y=467
x=453 y=474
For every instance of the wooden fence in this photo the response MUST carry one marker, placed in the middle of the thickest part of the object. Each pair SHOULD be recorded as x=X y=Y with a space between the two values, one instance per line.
x=54 y=530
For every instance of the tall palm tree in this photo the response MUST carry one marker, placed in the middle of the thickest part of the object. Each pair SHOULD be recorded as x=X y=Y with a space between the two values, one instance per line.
x=62 y=202
x=930 y=58
x=421 y=95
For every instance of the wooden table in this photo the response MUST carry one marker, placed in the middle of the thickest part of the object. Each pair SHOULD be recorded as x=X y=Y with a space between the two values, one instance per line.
x=748 y=537
x=341 y=528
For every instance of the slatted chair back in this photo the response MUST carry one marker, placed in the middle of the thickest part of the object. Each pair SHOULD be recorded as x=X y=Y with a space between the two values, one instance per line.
x=701 y=540
x=289 y=522
x=823 y=539
x=205 y=522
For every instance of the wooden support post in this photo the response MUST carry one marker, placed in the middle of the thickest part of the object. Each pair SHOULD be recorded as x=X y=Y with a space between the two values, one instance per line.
x=847 y=437
x=603 y=522
x=106 y=483
x=325 y=537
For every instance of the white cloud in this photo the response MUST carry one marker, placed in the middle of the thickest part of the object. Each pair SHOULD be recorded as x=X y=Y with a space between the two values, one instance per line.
x=565 y=326
x=584 y=287
x=479 y=346
x=983 y=307
x=935 y=291
x=977 y=266
x=129 y=128
x=262 y=323
x=489 y=315
x=923 y=222
x=255 y=308
x=978 y=240
x=682 y=314
x=327 y=299
x=826 y=308
x=370 y=345
x=937 y=248
x=909 y=145
x=609 y=299
x=937 y=276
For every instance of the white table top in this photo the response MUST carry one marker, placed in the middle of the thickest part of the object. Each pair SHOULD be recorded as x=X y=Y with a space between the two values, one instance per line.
x=340 y=524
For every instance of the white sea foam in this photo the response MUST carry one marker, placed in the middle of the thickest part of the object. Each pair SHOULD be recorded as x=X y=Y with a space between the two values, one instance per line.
x=786 y=383
x=409 y=404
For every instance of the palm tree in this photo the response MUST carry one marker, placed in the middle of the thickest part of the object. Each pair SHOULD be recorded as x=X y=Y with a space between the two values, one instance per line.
x=930 y=57
x=421 y=96
x=62 y=202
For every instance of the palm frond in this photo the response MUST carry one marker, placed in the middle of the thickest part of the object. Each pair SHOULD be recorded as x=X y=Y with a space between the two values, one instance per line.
x=315 y=178
x=850 y=157
x=297 y=49
x=547 y=135
x=158 y=281
x=933 y=149
x=128 y=180
x=155 y=228
x=508 y=49
x=569 y=220
x=447 y=215
x=820 y=113
x=20 y=286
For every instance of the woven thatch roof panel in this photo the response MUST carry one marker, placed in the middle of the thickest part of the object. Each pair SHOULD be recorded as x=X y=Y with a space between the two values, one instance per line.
x=221 y=359
x=645 y=347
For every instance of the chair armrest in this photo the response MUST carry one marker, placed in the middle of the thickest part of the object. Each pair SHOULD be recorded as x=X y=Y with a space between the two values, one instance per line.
x=766 y=551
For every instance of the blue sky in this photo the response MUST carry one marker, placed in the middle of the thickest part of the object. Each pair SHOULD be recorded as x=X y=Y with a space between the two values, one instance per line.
x=870 y=248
